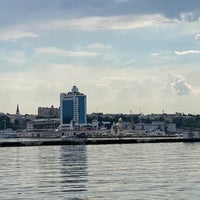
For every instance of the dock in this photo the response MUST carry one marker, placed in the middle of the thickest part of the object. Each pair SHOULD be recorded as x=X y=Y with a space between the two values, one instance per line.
x=20 y=142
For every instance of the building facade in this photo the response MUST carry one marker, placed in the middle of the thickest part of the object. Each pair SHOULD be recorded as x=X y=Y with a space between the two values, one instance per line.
x=42 y=124
x=48 y=112
x=73 y=108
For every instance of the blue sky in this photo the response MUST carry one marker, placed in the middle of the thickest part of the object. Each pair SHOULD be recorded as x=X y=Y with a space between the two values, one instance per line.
x=139 y=55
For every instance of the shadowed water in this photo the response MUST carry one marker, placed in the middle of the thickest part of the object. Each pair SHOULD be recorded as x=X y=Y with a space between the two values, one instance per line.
x=132 y=171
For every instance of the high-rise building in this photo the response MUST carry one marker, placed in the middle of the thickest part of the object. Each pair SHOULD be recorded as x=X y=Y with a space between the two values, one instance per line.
x=73 y=108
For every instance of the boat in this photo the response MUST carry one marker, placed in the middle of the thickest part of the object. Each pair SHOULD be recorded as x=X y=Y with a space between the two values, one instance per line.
x=8 y=133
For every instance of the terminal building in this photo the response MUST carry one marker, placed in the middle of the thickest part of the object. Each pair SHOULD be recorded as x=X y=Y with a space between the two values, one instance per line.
x=43 y=124
x=73 y=109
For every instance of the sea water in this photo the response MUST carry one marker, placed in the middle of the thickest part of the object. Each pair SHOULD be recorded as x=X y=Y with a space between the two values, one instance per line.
x=127 y=171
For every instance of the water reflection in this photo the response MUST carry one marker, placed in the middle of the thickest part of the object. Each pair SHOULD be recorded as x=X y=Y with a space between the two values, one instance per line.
x=43 y=172
x=135 y=171
x=62 y=171
x=74 y=168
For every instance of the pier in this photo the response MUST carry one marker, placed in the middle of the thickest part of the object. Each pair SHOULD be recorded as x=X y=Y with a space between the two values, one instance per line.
x=18 y=142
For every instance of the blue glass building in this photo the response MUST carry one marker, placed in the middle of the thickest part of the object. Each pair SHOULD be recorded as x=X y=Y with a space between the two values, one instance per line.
x=73 y=109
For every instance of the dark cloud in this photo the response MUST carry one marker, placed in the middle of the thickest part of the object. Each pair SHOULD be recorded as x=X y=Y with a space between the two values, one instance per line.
x=169 y=8
x=20 y=11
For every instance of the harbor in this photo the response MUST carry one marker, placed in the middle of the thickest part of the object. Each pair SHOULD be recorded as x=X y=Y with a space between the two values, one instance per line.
x=74 y=127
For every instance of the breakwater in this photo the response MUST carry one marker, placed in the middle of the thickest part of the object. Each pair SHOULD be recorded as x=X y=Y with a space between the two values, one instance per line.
x=92 y=141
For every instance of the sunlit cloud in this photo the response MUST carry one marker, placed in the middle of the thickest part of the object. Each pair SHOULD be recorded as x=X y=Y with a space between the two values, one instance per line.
x=179 y=85
x=42 y=86
x=106 y=88
x=188 y=52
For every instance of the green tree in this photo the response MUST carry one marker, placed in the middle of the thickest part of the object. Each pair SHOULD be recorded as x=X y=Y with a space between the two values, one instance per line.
x=4 y=122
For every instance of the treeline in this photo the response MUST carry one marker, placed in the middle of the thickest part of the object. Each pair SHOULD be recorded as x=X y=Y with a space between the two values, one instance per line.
x=187 y=122
x=5 y=123
x=184 y=121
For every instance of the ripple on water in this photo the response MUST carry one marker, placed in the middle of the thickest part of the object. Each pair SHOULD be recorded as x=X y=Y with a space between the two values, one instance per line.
x=128 y=171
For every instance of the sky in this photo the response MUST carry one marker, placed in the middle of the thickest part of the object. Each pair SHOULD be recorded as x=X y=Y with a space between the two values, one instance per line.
x=125 y=55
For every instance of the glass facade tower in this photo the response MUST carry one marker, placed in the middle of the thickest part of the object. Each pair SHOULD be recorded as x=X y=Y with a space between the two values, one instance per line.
x=73 y=109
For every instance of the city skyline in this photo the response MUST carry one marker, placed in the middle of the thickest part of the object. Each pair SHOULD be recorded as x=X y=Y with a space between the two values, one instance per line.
x=140 y=55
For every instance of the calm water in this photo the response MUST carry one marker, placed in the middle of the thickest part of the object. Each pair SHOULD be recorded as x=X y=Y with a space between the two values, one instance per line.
x=132 y=171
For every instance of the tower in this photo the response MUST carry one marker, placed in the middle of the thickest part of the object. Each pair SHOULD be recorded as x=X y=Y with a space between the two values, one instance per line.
x=73 y=109
x=17 y=111
x=18 y=116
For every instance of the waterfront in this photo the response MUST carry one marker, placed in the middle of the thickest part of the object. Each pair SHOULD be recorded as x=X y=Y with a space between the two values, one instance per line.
x=127 y=171
x=21 y=142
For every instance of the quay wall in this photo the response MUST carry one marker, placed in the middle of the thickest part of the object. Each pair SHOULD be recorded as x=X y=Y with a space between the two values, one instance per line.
x=93 y=141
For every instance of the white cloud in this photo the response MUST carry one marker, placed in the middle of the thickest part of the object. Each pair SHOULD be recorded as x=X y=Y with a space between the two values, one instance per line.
x=187 y=17
x=179 y=85
x=63 y=52
x=15 y=34
x=108 y=89
x=120 y=22
x=95 y=23
x=188 y=52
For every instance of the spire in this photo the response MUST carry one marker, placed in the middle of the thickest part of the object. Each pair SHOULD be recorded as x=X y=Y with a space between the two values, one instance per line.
x=17 y=111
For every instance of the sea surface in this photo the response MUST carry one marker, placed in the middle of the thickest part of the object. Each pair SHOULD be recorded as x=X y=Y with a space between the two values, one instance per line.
x=127 y=171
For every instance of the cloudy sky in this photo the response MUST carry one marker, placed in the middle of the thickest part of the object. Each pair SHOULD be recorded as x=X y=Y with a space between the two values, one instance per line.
x=139 y=55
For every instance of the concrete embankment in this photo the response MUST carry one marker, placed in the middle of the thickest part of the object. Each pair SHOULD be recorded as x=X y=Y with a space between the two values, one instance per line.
x=92 y=141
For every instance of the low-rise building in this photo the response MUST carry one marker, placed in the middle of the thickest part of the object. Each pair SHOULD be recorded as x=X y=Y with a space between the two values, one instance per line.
x=170 y=127
x=43 y=124
x=48 y=112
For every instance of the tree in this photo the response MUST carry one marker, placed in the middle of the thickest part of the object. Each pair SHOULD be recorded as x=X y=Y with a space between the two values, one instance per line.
x=4 y=122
